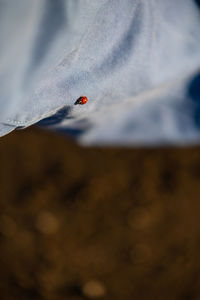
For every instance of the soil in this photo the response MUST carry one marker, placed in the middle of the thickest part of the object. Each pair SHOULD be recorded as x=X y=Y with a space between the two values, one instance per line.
x=104 y=223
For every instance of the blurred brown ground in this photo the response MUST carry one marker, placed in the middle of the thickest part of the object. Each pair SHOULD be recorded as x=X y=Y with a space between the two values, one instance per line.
x=80 y=223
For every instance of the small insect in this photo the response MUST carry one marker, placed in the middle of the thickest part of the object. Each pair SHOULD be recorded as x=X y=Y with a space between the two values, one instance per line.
x=81 y=100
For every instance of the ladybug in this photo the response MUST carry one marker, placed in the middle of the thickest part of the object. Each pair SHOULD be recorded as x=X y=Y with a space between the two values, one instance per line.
x=81 y=100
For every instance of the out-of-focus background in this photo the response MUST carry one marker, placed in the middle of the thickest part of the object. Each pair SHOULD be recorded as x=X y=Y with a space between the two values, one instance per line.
x=86 y=223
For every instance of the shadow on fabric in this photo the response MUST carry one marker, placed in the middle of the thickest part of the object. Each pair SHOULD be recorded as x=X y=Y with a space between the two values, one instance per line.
x=194 y=95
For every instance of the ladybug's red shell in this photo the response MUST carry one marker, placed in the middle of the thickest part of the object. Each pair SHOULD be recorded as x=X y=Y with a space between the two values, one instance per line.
x=82 y=100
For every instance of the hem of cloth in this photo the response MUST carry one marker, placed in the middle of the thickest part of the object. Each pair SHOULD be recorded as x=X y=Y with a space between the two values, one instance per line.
x=5 y=129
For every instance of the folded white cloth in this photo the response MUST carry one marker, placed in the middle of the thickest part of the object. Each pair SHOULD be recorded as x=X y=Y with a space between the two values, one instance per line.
x=137 y=61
